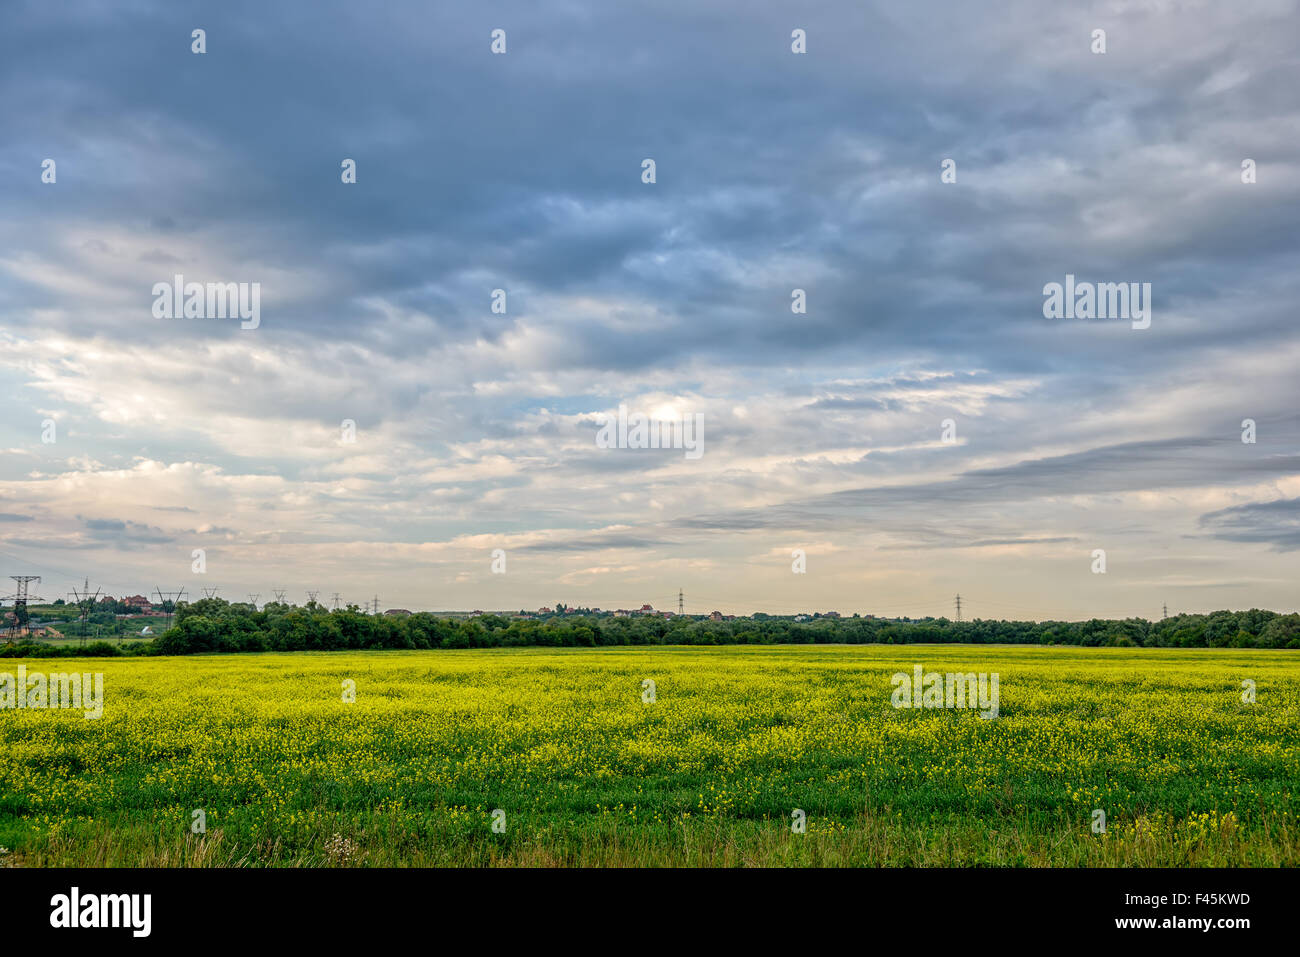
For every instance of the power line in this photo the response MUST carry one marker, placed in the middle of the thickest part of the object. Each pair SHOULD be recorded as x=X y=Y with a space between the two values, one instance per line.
x=164 y=597
x=20 y=598
x=60 y=572
x=85 y=601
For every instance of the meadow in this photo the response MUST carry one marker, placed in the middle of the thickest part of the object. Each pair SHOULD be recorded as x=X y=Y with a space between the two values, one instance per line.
x=713 y=771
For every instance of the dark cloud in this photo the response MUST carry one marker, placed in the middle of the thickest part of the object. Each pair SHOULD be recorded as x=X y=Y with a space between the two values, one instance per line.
x=523 y=170
x=117 y=531
x=1166 y=464
x=596 y=543
x=1270 y=523
x=775 y=172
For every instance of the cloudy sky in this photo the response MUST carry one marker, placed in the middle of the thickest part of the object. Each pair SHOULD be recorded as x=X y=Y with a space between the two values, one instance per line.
x=775 y=171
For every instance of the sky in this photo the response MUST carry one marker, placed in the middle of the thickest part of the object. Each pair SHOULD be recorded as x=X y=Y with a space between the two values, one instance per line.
x=922 y=430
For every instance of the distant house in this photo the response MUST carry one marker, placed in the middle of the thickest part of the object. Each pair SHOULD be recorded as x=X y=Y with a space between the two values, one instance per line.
x=622 y=613
x=647 y=609
x=139 y=601
x=831 y=614
x=544 y=611
x=716 y=616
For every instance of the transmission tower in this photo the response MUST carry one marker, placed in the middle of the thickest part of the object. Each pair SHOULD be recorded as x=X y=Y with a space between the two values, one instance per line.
x=253 y=596
x=1166 y=610
x=681 y=603
x=311 y=597
x=169 y=596
x=376 y=604
x=85 y=602
x=336 y=601
x=210 y=592
x=20 y=597
x=958 y=607
x=279 y=595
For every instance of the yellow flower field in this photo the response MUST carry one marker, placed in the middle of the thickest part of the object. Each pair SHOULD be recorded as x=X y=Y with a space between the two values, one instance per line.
x=736 y=756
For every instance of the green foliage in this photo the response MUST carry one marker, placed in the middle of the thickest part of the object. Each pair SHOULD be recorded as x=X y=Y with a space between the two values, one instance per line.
x=589 y=773
x=215 y=625
x=96 y=649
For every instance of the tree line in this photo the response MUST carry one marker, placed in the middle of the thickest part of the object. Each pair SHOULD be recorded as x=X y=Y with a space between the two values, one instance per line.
x=215 y=625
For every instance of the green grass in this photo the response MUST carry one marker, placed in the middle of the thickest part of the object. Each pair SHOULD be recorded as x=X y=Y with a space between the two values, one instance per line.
x=586 y=773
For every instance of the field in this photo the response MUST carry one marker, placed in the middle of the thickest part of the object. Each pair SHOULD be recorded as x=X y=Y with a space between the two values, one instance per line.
x=711 y=772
